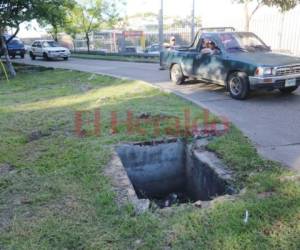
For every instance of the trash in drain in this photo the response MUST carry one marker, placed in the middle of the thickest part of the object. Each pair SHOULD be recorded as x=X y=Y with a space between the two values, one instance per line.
x=174 y=172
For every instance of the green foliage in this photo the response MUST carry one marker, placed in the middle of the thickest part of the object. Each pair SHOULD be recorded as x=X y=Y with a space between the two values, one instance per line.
x=52 y=15
x=14 y=12
x=84 y=18
x=111 y=13
x=284 y=5
x=92 y=15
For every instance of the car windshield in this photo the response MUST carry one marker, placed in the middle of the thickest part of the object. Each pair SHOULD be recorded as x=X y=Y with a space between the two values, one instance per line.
x=246 y=42
x=50 y=44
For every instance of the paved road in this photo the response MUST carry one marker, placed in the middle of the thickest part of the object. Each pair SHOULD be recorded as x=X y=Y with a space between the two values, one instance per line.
x=269 y=119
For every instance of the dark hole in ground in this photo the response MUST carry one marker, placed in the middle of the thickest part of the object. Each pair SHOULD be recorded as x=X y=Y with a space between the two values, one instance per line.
x=171 y=172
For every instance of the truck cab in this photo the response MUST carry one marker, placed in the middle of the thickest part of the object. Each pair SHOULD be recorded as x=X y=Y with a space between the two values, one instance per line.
x=240 y=61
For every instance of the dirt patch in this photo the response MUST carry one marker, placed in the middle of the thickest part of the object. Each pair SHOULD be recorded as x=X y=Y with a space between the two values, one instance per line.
x=6 y=168
x=23 y=68
x=36 y=135
x=148 y=116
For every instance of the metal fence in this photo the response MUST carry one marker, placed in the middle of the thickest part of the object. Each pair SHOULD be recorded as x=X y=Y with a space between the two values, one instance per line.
x=114 y=41
x=280 y=31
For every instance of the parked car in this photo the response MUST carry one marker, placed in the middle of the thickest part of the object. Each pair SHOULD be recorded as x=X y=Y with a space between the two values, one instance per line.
x=131 y=50
x=48 y=49
x=241 y=62
x=153 y=49
x=15 y=47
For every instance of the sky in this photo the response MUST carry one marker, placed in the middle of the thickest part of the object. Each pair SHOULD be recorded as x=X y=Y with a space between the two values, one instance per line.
x=179 y=7
x=212 y=12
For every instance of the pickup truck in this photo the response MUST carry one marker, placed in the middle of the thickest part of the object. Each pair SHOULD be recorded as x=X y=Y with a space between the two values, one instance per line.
x=240 y=61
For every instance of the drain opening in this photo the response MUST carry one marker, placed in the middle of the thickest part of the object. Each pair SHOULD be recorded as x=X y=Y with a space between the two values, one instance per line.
x=172 y=172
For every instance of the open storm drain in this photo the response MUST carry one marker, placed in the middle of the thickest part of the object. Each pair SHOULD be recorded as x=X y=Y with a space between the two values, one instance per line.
x=172 y=172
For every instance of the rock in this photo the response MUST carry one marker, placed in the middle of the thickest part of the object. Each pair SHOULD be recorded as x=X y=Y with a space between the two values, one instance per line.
x=85 y=88
x=103 y=99
x=264 y=195
x=144 y=115
x=138 y=242
x=6 y=168
x=36 y=135
x=243 y=191
x=216 y=129
x=224 y=198
x=290 y=178
x=170 y=200
x=141 y=205
x=198 y=204
x=92 y=77
x=200 y=144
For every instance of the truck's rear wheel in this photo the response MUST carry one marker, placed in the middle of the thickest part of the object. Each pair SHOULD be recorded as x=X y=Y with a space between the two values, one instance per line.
x=288 y=90
x=176 y=74
x=238 y=85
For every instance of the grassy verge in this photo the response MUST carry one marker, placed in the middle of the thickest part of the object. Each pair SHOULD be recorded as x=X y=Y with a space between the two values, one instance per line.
x=116 y=58
x=53 y=194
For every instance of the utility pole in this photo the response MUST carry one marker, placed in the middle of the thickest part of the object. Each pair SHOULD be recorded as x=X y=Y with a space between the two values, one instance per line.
x=193 y=22
x=161 y=29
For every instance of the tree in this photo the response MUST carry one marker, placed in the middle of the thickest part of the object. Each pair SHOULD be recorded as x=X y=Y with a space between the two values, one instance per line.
x=111 y=13
x=85 y=18
x=72 y=25
x=92 y=15
x=182 y=22
x=54 y=17
x=283 y=5
x=15 y=12
x=12 y=13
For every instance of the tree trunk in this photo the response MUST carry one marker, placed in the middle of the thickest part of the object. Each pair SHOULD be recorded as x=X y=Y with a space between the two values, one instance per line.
x=55 y=33
x=88 y=42
x=9 y=65
x=74 y=45
x=247 y=17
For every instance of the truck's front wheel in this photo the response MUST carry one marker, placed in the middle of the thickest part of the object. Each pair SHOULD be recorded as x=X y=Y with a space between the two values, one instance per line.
x=176 y=74
x=238 y=85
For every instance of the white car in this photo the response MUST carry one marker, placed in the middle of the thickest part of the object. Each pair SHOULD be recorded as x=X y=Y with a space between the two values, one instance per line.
x=48 y=49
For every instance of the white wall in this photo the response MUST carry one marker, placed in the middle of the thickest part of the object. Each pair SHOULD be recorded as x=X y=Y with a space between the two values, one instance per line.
x=277 y=30
x=280 y=31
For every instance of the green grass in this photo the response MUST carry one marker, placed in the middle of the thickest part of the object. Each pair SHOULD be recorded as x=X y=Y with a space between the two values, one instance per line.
x=58 y=198
x=116 y=58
